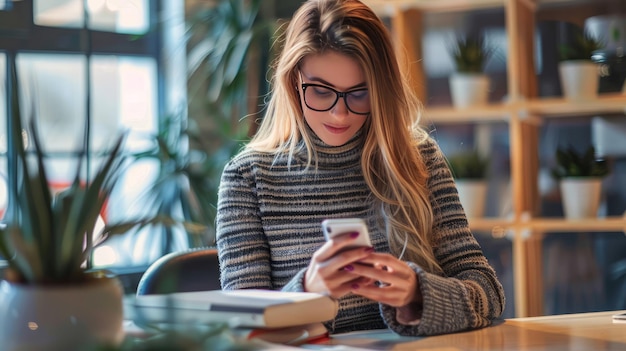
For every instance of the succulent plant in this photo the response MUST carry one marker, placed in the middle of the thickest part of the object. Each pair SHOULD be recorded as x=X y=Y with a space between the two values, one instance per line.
x=470 y=54
x=571 y=163
x=468 y=165
x=581 y=48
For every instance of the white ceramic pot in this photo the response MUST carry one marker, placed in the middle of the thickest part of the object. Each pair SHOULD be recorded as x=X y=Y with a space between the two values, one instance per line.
x=469 y=89
x=37 y=318
x=581 y=197
x=472 y=194
x=579 y=79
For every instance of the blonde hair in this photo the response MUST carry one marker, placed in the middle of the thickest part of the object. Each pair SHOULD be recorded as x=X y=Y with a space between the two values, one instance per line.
x=392 y=165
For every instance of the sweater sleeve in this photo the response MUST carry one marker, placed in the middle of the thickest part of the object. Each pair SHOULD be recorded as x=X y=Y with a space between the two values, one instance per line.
x=468 y=295
x=242 y=245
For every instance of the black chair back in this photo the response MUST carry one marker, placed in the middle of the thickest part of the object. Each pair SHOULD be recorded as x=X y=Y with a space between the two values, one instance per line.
x=192 y=270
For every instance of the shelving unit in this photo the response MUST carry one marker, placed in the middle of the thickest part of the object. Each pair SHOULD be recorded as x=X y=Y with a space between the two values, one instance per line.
x=524 y=113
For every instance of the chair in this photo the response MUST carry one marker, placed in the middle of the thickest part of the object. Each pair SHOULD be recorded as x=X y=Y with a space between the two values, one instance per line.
x=191 y=270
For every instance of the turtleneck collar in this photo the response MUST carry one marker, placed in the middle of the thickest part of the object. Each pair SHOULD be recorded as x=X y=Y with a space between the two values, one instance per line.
x=343 y=156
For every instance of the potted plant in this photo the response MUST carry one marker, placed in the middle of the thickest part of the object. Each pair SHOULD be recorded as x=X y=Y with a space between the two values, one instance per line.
x=49 y=299
x=578 y=73
x=469 y=86
x=469 y=170
x=227 y=49
x=580 y=180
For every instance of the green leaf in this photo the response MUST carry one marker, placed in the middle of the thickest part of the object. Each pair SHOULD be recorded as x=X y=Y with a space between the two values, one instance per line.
x=468 y=165
x=571 y=163
x=581 y=48
x=25 y=256
x=470 y=54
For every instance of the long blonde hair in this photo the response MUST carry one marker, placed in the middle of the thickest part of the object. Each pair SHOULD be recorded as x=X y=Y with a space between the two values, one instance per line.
x=392 y=165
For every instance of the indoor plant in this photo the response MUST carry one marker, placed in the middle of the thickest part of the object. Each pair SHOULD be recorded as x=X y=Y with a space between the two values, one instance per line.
x=578 y=73
x=469 y=169
x=50 y=299
x=469 y=85
x=228 y=47
x=580 y=176
x=183 y=191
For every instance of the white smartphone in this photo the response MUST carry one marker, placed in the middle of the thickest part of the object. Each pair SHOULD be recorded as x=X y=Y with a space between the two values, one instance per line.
x=332 y=227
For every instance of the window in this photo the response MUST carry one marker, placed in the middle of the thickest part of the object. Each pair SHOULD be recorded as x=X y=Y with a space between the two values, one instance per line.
x=117 y=16
x=102 y=66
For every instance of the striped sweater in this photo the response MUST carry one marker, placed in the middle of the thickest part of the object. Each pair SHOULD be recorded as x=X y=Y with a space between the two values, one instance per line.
x=268 y=227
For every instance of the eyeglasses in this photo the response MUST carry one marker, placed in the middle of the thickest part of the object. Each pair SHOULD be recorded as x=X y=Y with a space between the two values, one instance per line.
x=322 y=98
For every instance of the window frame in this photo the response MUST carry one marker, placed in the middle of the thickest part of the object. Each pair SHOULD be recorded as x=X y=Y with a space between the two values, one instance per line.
x=19 y=34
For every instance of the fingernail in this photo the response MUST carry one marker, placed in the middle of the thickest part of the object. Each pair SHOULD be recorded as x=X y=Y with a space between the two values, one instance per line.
x=349 y=268
x=369 y=249
x=354 y=234
x=355 y=286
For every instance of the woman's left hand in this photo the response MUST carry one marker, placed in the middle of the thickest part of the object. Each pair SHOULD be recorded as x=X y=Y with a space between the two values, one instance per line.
x=397 y=283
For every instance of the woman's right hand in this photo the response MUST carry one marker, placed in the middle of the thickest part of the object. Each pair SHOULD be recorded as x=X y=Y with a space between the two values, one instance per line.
x=329 y=271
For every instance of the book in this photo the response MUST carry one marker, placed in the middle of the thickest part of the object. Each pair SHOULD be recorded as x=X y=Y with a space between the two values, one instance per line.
x=294 y=335
x=239 y=308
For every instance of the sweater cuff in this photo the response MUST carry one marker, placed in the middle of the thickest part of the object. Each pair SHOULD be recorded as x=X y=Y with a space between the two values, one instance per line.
x=296 y=284
x=410 y=314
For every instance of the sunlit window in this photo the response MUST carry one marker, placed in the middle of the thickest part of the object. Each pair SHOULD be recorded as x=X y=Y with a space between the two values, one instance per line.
x=122 y=93
x=122 y=78
x=118 y=16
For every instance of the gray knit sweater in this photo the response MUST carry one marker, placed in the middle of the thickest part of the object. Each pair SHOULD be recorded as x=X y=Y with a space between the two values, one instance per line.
x=268 y=227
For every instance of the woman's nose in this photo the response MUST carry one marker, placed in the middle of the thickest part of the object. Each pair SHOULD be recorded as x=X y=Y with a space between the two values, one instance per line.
x=340 y=108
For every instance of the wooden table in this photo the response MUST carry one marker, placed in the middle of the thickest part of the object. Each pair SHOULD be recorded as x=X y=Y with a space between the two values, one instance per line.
x=580 y=332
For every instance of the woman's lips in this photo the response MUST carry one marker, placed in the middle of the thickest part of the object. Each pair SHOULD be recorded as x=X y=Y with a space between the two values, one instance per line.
x=336 y=130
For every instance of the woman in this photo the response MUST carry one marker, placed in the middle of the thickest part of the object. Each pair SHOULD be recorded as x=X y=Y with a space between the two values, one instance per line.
x=340 y=139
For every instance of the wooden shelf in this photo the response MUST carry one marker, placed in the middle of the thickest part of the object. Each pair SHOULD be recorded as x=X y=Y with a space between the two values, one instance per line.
x=522 y=115
x=536 y=109
x=608 y=224
x=497 y=226
x=388 y=7
x=489 y=223
x=488 y=113
x=612 y=103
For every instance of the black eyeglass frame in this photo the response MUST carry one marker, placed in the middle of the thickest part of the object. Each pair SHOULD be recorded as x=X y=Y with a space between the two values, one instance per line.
x=338 y=94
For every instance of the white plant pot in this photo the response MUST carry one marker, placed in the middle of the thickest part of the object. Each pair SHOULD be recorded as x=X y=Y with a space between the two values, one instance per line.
x=581 y=197
x=472 y=194
x=579 y=79
x=469 y=89
x=37 y=318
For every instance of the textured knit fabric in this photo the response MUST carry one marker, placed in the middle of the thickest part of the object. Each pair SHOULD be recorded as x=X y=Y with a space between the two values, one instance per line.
x=268 y=227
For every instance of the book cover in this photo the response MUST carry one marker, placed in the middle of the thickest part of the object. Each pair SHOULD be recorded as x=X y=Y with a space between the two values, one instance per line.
x=245 y=308
x=294 y=335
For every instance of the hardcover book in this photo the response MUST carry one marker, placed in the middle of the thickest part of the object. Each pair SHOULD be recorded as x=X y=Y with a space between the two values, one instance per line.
x=238 y=308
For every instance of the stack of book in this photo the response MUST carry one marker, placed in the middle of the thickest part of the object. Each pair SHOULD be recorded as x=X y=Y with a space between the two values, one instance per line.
x=272 y=316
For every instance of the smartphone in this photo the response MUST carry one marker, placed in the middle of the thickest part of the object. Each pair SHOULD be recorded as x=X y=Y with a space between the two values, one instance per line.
x=332 y=227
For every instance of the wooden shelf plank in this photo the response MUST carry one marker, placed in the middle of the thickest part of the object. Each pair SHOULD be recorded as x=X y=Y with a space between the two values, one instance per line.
x=488 y=224
x=488 y=113
x=500 y=225
x=609 y=103
x=388 y=7
x=608 y=224
x=559 y=107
